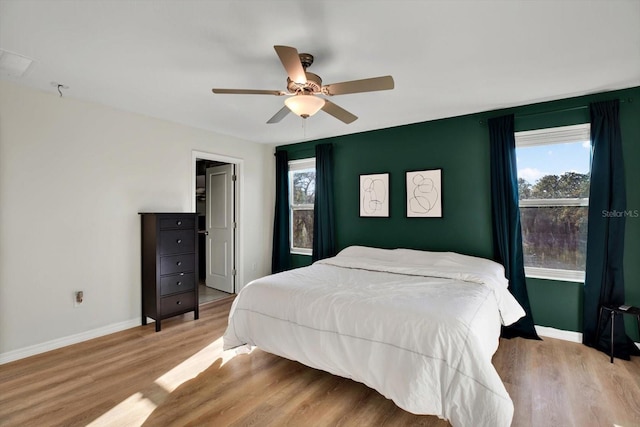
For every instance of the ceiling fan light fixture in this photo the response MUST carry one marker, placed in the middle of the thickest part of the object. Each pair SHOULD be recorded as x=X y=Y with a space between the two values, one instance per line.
x=304 y=105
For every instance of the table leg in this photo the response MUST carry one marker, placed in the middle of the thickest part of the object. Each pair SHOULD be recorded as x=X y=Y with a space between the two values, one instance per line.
x=613 y=318
x=638 y=319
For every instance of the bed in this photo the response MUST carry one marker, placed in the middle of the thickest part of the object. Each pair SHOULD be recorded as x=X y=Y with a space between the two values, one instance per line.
x=419 y=327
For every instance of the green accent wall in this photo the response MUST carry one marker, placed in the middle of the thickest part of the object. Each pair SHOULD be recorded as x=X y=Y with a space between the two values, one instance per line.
x=460 y=147
x=556 y=304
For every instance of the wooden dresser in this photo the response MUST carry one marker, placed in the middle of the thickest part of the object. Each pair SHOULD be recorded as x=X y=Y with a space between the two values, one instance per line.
x=169 y=265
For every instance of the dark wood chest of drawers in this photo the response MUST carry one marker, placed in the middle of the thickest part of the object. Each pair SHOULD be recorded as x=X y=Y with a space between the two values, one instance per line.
x=169 y=265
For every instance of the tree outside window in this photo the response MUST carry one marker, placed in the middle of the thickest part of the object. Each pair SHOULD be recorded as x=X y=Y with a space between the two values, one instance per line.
x=555 y=236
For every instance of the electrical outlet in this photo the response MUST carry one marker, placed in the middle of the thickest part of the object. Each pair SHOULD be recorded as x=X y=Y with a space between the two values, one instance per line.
x=78 y=298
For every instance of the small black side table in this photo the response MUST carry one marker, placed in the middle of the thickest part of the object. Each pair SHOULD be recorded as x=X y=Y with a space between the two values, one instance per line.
x=613 y=310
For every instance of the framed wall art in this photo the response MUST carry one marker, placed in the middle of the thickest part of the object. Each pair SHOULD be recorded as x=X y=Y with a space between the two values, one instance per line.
x=424 y=194
x=374 y=195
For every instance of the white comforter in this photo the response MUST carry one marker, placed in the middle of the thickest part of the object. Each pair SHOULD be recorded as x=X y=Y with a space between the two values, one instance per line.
x=418 y=327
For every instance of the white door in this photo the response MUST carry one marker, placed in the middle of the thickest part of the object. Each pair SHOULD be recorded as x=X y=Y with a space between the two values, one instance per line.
x=219 y=248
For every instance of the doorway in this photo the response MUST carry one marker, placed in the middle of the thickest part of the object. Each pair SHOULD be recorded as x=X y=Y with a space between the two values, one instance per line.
x=216 y=195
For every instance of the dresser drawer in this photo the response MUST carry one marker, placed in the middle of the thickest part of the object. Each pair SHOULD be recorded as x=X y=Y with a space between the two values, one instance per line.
x=177 y=264
x=177 y=303
x=181 y=223
x=176 y=241
x=177 y=283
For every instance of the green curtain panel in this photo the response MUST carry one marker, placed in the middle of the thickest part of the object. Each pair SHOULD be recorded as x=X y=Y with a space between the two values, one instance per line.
x=280 y=253
x=507 y=235
x=324 y=242
x=604 y=281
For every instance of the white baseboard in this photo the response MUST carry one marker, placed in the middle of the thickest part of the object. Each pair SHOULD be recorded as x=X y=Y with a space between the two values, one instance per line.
x=10 y=356
x=546 y=331
x=560 y=334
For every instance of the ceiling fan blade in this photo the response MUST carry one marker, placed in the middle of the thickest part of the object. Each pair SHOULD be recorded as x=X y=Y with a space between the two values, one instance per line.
x=279 y=115
x=291 y=61
x=338 y=112
x=356 y=86
x=249 y=91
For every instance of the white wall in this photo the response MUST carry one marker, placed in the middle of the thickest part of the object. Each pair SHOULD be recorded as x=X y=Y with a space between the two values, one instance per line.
x=73 y=177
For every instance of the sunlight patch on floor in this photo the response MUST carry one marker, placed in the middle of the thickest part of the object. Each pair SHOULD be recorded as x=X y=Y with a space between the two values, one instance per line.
x=194 y=365
x=134 y=410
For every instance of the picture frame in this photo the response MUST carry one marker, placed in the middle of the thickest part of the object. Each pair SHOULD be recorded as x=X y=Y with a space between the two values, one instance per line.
x=424 y=193
x=374 y=195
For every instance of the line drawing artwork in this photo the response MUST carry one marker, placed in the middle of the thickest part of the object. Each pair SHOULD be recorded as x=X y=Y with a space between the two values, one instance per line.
x=424 y=194
x=374 y=200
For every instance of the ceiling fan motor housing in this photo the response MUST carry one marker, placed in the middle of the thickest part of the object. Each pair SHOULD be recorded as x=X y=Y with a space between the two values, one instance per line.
x=313 y=85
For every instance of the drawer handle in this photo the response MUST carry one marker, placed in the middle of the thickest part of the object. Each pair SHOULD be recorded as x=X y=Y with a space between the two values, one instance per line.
x=182 y=274
x=178 y=222
x=179 y=263
x=179 y=241
x=178 y=302
x=179 y=283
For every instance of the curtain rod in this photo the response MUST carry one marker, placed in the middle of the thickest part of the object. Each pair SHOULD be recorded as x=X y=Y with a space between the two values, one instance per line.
x=562 y=110
x=559 y=110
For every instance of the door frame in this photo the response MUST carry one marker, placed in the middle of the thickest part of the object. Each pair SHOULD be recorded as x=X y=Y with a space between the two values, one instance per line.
x=203 y=155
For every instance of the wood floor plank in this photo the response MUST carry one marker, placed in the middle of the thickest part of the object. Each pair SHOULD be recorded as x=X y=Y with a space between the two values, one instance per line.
x=549 y=394
x=181 y=377
x=624 y=397
x=580 y=374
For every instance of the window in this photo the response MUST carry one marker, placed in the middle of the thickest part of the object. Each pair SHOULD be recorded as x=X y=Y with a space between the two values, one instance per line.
x=553 y=186
x=302 y=194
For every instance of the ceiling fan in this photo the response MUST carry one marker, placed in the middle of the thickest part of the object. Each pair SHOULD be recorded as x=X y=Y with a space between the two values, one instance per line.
x=303 y=88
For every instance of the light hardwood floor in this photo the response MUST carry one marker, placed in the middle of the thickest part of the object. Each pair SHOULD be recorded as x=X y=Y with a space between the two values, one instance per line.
x=181 y=377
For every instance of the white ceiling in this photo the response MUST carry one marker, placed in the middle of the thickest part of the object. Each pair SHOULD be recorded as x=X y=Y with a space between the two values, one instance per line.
x=161 y=58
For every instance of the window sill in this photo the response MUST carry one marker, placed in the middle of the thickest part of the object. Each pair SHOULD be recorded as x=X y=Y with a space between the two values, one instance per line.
x=554 y=274
x=300 y=252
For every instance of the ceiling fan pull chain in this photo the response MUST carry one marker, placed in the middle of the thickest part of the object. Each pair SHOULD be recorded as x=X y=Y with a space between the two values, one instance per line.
x=304 y=129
